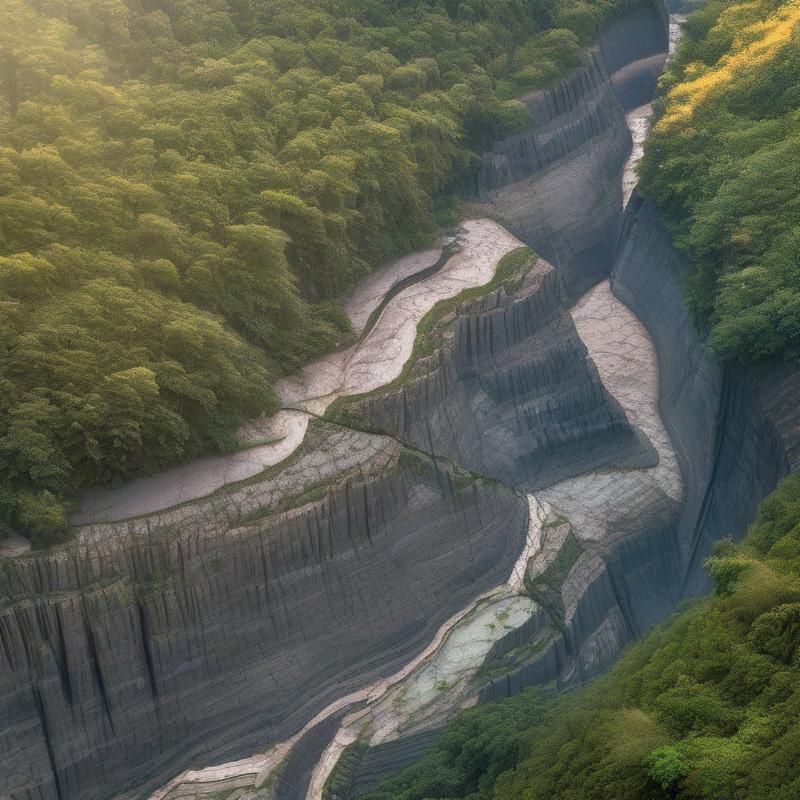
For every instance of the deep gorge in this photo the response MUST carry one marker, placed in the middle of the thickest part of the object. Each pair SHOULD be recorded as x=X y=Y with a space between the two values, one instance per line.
x=199 y=635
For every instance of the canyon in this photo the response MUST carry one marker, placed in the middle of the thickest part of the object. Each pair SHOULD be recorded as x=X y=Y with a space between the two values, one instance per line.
x=518 y=468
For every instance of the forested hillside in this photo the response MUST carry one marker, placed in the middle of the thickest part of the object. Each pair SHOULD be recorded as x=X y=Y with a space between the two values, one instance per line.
x=723 y=162
x=187 y=187
x=705 y=707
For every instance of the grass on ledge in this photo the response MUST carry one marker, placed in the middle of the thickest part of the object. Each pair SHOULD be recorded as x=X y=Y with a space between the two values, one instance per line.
x=511 y=271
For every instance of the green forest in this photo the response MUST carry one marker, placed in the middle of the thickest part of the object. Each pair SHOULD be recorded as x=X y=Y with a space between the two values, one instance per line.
x=187 y=187
x=723 y=162
x=705 y=707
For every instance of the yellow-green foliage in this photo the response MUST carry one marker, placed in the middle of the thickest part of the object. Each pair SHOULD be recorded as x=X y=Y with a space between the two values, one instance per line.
x=723 y=161
x=705 y=707
x=187 y=186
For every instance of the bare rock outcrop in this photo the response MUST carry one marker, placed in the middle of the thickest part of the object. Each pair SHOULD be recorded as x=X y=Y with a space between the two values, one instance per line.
x=201 y=641
x=735 y=432
x=509 y=391
x=555 y=186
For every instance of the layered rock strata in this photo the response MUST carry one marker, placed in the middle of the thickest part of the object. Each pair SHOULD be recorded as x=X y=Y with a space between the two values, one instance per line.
x=155 y=643
x=509 y=391
x=735 y=433
x=556 y=185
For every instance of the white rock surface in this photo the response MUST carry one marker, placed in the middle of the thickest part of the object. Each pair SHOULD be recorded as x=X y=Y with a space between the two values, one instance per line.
x=379 y=358
x=639 y=123
x=369 y=294
x=621 y=349
x=285 y=432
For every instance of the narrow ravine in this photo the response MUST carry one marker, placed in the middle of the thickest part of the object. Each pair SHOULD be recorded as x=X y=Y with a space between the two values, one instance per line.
x=621 y=349
x=639 y=119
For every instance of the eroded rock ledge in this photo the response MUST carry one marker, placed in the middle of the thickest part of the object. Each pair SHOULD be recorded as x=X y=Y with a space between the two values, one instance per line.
x=128 y=653
x=556 y=186
x=509 y=391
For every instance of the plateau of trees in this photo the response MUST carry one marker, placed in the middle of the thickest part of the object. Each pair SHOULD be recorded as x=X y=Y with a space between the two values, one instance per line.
x=187 y=187
x=705 y=707
x=723 y=161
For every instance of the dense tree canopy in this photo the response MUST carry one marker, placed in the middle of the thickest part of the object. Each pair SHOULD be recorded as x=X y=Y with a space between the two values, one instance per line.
x=723 y=161
x=706 y=707
x=187 y=186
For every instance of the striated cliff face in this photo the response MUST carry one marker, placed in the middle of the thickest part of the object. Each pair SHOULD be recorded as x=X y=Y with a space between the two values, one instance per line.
x=556 y=186
x=125 y=655
x=735 y=432
x=509 y=391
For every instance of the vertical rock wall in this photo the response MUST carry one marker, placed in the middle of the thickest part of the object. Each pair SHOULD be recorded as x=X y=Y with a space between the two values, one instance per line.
x=556 y=185
x=200 y=644
x=510 y=392
x=731 y=446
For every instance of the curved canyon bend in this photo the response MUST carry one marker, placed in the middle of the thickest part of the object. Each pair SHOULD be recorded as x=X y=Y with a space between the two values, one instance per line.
x=441 y=514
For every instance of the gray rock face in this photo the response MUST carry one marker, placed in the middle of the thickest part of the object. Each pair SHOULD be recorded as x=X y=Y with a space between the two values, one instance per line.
x=200 y=643
x=566 y=115
x=634 y=49
x=735 y=433
x=510 y=393
x=556 y=185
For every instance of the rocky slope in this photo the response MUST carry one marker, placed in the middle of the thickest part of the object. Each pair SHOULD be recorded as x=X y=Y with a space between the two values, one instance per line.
x=556 y=186
x=151 y=644
x=509 y=392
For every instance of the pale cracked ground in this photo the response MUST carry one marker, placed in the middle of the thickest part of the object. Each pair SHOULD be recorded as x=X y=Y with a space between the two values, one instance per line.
x=639 y=123
x=626 y=360
x=374 y=361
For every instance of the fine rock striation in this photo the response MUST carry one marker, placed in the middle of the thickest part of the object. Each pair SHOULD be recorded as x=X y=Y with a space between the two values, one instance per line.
x=735 y=432
x=556 y=186
x=127 y=653
x=509 y=391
